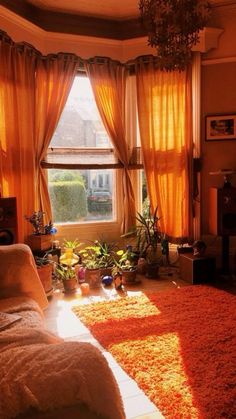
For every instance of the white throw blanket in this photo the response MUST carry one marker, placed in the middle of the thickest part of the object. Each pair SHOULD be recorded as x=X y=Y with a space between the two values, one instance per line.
x=38 y=369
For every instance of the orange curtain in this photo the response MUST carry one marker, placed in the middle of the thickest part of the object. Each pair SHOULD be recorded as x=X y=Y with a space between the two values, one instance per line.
x=54 y=78
x=164 y=108
x=33 y=91
x=108 y=80
x=17 y=160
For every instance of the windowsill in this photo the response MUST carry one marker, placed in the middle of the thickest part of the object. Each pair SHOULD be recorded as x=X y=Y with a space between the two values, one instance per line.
x=87 y=232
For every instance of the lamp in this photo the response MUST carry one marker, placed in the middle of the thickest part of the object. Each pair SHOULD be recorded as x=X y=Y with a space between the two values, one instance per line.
x=173 y=28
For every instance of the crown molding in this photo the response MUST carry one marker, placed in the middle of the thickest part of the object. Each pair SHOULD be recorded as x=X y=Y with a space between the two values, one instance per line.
x=209 y=39
x=20 y=29
x=222 y=60
x=76 y=24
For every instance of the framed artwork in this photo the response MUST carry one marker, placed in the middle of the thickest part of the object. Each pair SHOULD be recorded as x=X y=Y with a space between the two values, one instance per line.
x=220 y=127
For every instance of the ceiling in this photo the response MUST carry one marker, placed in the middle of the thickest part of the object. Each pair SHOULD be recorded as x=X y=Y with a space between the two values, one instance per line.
x=108 y=9
x=114 y=19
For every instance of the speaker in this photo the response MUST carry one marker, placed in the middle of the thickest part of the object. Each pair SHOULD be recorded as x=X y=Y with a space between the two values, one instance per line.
x=8 y=221
x=222 y=211
x=197 y=270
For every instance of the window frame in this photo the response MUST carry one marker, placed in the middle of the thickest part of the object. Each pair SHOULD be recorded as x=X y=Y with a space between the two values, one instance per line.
x=134 y=164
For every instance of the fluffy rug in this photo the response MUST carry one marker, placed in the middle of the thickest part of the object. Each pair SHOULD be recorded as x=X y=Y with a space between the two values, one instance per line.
x=179 y=346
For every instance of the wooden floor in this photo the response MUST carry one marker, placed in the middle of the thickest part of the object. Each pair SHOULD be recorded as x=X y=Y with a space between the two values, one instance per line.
x=62 y=321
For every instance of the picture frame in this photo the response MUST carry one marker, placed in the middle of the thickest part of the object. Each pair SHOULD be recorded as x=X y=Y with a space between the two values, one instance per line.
x=220 y=127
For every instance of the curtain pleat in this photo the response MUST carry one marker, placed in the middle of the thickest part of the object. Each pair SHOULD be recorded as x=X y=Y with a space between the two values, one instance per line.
x=33 y=92
x=54 y=78
x=108 y=80
x=17 y=153
x=164 y=110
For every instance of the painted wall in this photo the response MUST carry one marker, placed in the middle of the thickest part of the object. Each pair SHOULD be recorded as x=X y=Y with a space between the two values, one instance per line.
x=218 y=95
x=218 y=81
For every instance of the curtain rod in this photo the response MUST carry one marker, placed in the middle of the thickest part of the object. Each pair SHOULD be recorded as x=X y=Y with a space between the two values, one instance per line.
x=81 y=61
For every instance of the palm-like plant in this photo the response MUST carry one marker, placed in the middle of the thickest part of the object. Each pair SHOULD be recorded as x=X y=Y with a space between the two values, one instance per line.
x=148 y=234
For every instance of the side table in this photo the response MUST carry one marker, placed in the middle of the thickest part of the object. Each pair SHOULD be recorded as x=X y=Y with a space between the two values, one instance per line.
x=197 y=270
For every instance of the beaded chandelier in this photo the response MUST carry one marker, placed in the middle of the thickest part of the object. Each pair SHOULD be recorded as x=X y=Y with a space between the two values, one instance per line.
x=173 y=28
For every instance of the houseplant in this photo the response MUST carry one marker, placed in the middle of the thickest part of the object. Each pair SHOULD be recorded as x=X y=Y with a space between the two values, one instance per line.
x=91 y=260
x=67 y=275
x=124 y=265
x=66 y=270
x=105 y=253
x=41 y=239
x=71 y=254
x=149 y=238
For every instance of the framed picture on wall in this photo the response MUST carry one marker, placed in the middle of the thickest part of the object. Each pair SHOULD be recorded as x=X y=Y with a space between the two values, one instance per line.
x=220 y=127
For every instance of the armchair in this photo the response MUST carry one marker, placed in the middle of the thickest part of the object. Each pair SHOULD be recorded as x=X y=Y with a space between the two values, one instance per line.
x=43 y=376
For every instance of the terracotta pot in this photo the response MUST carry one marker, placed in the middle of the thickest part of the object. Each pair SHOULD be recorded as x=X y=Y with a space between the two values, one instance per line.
x=93 y=277
x=142 y=266
x=70 y=285
x=45 y=275
x=129 y=276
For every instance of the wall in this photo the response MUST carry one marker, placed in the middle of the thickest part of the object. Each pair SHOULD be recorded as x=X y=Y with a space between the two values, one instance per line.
x=218 y=95
x=217 y=85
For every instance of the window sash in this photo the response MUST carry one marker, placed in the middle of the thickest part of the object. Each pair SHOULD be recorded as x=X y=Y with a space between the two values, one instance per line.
x=88 y=158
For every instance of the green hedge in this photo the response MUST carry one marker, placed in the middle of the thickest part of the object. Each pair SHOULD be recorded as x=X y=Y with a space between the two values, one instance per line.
x=68 y=200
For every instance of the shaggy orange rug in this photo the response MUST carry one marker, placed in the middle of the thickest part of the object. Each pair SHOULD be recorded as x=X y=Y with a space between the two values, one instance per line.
x=179 y=346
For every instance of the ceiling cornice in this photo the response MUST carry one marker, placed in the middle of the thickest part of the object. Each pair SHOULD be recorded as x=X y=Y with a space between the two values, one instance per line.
x=76 y=24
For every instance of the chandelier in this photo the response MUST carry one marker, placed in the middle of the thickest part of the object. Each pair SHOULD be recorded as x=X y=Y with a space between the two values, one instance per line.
x=173 y=28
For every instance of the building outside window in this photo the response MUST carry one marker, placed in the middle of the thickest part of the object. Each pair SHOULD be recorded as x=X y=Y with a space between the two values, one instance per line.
x=86 y=194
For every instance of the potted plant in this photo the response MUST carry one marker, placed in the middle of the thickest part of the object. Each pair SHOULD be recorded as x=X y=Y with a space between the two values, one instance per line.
x=149 y=237
x=124 y=265
x=71 y=254
x=41 y=239
x=67 y=275
x=91 y=260
x=45 y=267
x=105 y=253
x=66 y=270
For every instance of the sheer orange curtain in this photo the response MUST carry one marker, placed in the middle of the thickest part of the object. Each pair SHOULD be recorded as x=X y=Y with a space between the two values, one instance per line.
x=164 y=107
x=108 y=80
x=17 y=160
x=54 y=78
x=33 y=91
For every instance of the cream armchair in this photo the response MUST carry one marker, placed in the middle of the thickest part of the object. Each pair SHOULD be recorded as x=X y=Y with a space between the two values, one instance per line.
x=18 y=274
x=43 y=376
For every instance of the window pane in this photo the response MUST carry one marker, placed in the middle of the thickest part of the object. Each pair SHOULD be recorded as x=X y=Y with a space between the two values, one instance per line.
x=144 y=193
x=80 y=124
x=81 y=195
